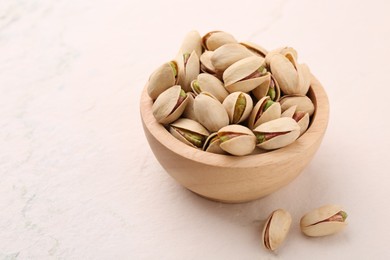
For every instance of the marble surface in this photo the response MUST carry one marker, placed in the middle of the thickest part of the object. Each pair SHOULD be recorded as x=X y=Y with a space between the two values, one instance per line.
x=78 y=179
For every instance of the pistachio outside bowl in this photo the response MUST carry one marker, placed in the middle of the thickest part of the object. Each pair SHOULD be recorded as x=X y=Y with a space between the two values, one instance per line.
x=229 y=178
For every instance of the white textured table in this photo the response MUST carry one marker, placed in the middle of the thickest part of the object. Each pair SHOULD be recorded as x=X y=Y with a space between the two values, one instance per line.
x=78 y=180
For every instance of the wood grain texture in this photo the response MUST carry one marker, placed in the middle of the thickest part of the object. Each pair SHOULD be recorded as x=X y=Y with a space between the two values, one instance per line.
x=233 y=179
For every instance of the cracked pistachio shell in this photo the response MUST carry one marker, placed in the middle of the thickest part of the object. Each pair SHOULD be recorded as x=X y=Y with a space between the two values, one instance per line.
x=318 y=223
x=276 y=229
x=285 y=74
x=167 y=108
x=255 y=48
x=228 y=54
x=303 y=103
x=283 y=51
x=237 y=140
x=236 y=76
x=210 y=112
x=258 y=116
x=192 y=42
x=269 y=87
x=209 y=83
x=188 y=69
x=205 y=63
x=212 y=40
x=288 y=128
x=212 y=143
x=162 y=78
x=189 y=110
x=302 y=118
x=238 y=105
x=189 y=132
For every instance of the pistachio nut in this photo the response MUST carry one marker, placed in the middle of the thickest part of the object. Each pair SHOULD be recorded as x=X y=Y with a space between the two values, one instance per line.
x=303 y=103
x=245 y=75
x=212 y=40
x=277 y=133
x=192 y=42
x=269 y=87
x=238 y=105
x=210 y=112
x=228 y=54
x=265 y=110
x=323 y=221
x=302 y=118
x=212 y=143
x=255 y=48
x=205 y=63
x=237 y=140
x=188 y=69
x=208 y=83
x=283 y=51
x=162 y=78
x=276 y=229
x=189 y=110
x=170 y=105
x=189 y=132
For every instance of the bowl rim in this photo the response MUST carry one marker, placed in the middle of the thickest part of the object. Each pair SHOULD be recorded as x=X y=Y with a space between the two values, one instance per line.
x=313 y=135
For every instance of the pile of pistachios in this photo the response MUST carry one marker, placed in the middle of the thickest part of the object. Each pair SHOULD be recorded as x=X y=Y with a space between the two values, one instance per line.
x=223 y=96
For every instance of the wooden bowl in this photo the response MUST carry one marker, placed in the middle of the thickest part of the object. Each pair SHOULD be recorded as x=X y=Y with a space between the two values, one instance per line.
x=229 y=178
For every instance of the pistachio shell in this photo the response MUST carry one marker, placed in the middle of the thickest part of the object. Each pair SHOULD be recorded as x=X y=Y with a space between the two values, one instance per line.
x=285 y=74
x=241 y=69
x=258 y=117
x=304 y=123
x=283 y=51
x=189 y=110
x=210 y=112
x=303 y=103
x=287 y=126
x=304 y=78
x=238 y=105
x=264 y=89
x=276 y=229
x=209 y=83
x=255 y=48
x=212 y=40
x=316 y=223
x=212 y=144
x=240 y=140
x=289 y=112
x=205 y=63
x=188 y=67
x=161 y=79
x=166 y=108
x=189 y=132
x=192 y=42
x=246 y=85
x=228 y=54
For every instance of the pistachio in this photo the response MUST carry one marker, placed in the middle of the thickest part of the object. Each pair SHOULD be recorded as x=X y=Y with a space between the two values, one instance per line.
x=228 y=54
x=188 y=68
x=170 y=105
x=212 y=144
x=189 y=132
x=189 y=110
x=205 y=63
x=255 y=48
x=301 y=117
x=212 y=40
x=265 y=110
x=210 y=112
x=208 y=83
x=192 y=42
x=237 y=140
x=323 y=221
x=276 y=229
x=238 y=105
x=277 y=133
x=162 y=78
x=269 y=87
x=303 y=103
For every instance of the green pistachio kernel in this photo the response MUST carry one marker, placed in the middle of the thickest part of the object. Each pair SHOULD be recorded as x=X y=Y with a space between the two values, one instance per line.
x=239 y=108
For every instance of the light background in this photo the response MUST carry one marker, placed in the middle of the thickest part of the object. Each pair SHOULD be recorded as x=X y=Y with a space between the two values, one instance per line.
x=78 y=179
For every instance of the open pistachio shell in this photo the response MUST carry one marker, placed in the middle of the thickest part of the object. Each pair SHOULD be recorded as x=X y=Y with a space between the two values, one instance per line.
x=303 y=103
x=269 y=87
x=205 y=63
x=209 y=83
x=212 y=143
x=302 y=118
x=289 y=112
x=238 y=105
x=170 y=105
x=245 y=75
x=188 y=69
x=162 y=78
x=192 y=42
x=189 y=132
x=276 y=229
x=255 y=48
x=212 y=40
x=285 y=74
x=265 y=110
x=323 y=221
x=283 y=51
x=210 y=112
x=189 y=110
x=237 y=140
x=277 y=133
x=304 y=78
x=228 y=54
